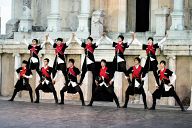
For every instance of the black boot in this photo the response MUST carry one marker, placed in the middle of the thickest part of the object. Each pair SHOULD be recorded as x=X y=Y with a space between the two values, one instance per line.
x=179 y=102
x=14 y=94
x=37 y=96
x=62 y=97
x=117 y=103
x=31 y=95
x=55 y=97
x=154 y=104
x=126 y=102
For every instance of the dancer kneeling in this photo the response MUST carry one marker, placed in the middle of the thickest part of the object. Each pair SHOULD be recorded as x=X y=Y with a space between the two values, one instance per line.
x=73 y=85
x=136 y=85
x=46 y=81
x=104 y=82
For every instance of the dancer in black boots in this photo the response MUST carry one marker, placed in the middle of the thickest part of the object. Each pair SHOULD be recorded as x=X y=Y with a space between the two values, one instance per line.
x=136 y=85
x=89 y=61
x=60 y=59
x=23 y=80
x=46 y=84
x=119 y=63
x=73 y=85
x=151 y=62
x=104 y=82
x=166 y=89
x=33 y=62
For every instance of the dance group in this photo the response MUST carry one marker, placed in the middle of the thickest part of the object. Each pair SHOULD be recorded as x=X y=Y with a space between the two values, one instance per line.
x=104 y=79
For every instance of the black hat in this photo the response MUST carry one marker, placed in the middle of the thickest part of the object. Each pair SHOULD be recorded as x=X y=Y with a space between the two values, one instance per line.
x=24 y=62
x=150 y=38
x=90 y=38
x=59 y=39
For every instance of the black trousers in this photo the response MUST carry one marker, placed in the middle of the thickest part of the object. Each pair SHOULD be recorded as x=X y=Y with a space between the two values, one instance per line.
x=46 y=88
x=137 y=91
x=85 y=68
x=121 y=66
x=63 y=68
x=77 y=89
x=161 y=92
x=151 y=66
x=109 y=89
x=20 y=87
x=34 y=66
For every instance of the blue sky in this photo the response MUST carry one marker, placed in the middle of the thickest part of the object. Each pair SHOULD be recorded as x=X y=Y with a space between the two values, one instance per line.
x=5 y=13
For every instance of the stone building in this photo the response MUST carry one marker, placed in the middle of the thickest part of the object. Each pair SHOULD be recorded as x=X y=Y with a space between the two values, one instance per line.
x=59 y=18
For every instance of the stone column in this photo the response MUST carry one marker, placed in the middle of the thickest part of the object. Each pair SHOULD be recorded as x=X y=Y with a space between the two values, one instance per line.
x=118 y=85
x=54 y=19
x=122 y=16
x=26 y=19
x=17 y=64
x=190 y=107
x=172 y=67
x=177 y=15
x=161 y=21
x=84 y=17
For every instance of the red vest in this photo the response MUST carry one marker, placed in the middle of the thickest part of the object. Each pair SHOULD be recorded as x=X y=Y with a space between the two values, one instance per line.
x=44 y=72
x=162 y=75
x=89 y=47
x=150 y=49
x=119 y=47
x=59 y=48
x=136 y=72
x=72 y=72
x=103 y=73
x=23 y=71
x=33 y=50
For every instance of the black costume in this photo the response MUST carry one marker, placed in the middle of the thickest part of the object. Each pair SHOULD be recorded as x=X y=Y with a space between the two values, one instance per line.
x=23 y=82
x=163 y=76
x=136 y=86
x=72 y=86
x=103 y=84
x=60 y=62
x=33 y=62
x=119 y=63
x=151 y=62
x=46 y=83
x=89 y=61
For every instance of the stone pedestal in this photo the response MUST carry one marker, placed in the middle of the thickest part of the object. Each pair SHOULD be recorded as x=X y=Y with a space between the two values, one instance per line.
x=54 y=19
x=177 y=16
x=118 y=85
x=172 y=67
x=26 y=19
x=87 y=86
x=161 y=21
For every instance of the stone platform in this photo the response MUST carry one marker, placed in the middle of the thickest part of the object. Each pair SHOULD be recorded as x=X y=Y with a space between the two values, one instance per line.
x=23 y=114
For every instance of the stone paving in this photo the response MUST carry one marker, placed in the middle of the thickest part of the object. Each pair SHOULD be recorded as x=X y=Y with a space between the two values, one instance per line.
x=23 y=114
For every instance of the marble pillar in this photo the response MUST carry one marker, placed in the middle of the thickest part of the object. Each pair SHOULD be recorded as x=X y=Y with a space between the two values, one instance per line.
x=122 y=16
x=26 y=19
x=84 y=17
x=161 y=21
x=190 y=107
x=178 y=15
x=172 y=67
x=118 y=85
x=54 y=19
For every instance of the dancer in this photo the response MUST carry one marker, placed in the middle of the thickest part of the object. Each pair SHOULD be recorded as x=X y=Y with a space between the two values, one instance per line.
x=166 y=89
x=104 y=82
x=46 y=81
x=73 y=86
x=136 y=85
x=23 y=75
